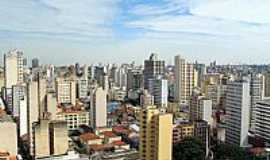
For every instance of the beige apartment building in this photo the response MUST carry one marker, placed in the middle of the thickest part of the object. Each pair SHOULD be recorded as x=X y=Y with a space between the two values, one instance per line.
x=155 y=134
x=185 y=79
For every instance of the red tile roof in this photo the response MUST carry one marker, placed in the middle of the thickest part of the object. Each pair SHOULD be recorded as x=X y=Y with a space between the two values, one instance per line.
x=119 y=143
x=109 y=134
x=88 y=136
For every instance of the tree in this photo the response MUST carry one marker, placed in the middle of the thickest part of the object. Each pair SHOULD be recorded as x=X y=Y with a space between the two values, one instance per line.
x=189 y=149
x=229 y=152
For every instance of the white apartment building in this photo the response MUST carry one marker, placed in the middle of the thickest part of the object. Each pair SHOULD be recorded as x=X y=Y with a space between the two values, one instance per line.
x=238 y=112
x=66 y=91
x=158 y=88
x=184 y=80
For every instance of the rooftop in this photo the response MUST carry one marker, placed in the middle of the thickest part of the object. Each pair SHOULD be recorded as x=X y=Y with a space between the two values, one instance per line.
x=88 y=136
x=109 y=134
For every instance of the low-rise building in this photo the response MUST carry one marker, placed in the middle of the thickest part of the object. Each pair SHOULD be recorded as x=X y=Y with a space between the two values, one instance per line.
x=182 y=130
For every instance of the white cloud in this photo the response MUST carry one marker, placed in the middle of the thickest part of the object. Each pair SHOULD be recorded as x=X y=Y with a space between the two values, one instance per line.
x=223 y=18
x=251 y=11
x=62 y=17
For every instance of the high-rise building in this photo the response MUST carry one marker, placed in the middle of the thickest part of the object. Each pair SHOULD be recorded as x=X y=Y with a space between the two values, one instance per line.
x=51 y=105
x=99 y=72
x=201 y=71
x=8 y=134
x=201 y=131
x=99 y=108
x=155 y=134
x=82 y=87
x=134 y=79
x=19 y=107
x=66 y=91
x=13 y=73
x=238 y=112
x=262 y=120
x=58 y=137
x=32 y=110
x=200 y=107
x=42 y=92
x=105 y=82
x=184 y=80
x=50 y=138
x=146 y=99
x=35 y=63
x=256 y=94
x=266 y=85
x=13 y=65
x=158 y=87
x=41 y=144
x=18 y=93
x=122 y=78
x=152 y=68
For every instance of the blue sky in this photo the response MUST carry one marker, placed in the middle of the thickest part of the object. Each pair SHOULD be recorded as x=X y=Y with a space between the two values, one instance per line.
x=90 y=31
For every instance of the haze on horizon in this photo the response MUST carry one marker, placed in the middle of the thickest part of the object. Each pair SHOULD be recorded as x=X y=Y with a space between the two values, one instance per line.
x=88 y=31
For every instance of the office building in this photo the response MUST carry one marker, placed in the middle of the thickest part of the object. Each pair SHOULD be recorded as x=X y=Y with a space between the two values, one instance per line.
x=152 y=68
x=184 y=80
x=35 y=63
x=155 y=134
x=134 y=79
x=238 y=112
x=201 y=71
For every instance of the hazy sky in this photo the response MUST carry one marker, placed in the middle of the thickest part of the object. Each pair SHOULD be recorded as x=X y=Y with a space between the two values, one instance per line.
x=87 y=31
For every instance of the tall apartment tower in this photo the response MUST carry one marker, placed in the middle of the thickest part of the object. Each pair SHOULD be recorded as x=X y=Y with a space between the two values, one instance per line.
x=32 y=110
x=238 y=112
x=257 y=95
x=13 y=74
x=266 y=85
x=99 y=108
x=13 y=66
x=261 y=121
x=184 y=80
x=66 y=91
x=152 y=68
x=8 y=134
x=200 y=108
x=155 y=134
x=158 y=87
x=50 y=138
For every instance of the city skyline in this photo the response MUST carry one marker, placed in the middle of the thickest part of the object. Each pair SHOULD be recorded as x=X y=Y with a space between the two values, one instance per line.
x=231 y=31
